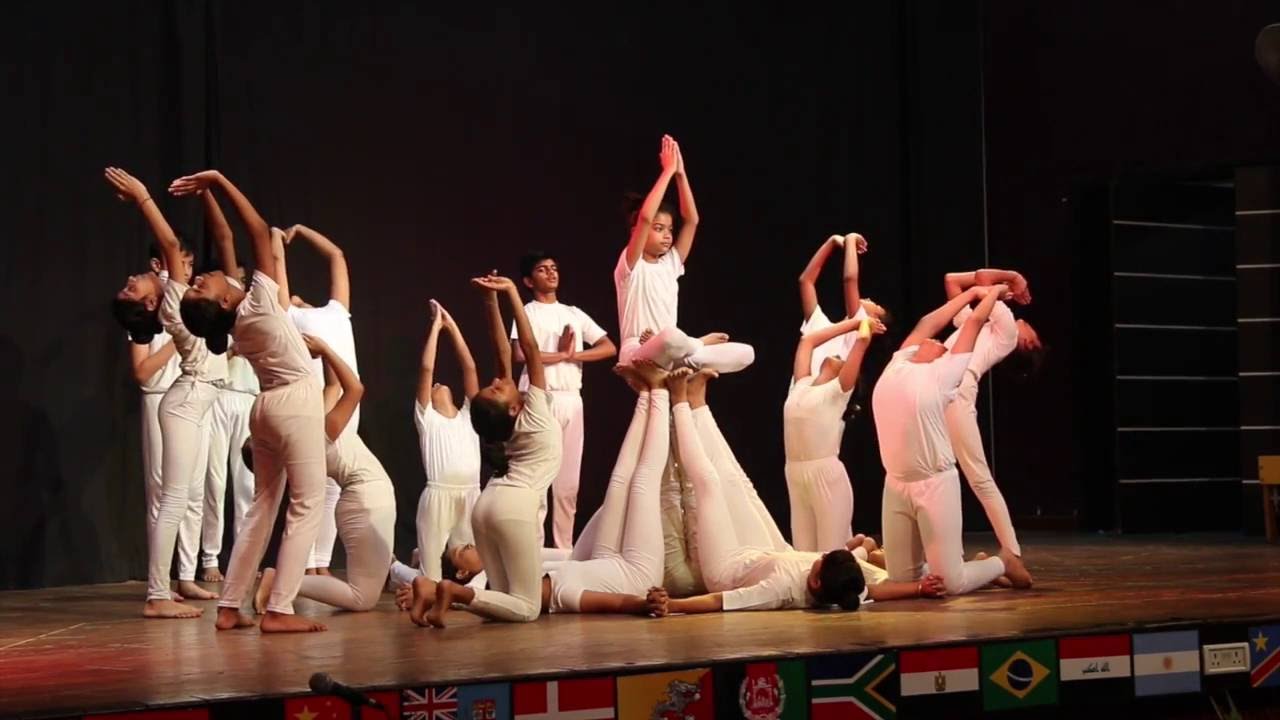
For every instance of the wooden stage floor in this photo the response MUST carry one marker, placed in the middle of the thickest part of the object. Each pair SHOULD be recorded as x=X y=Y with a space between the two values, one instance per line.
x=68 y=650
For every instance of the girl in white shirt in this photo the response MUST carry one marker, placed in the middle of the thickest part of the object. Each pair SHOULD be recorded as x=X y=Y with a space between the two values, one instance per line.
x=450 y=451
x=366 y=507
x=522 y=441
x=813 y=427
x=287 y=421
x=647 y=281
x=184 y=412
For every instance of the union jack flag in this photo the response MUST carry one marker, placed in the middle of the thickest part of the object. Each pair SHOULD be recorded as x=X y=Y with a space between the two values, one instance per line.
x=430 y=704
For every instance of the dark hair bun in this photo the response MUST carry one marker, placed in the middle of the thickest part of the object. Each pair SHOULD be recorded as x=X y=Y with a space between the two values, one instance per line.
x=216 y=344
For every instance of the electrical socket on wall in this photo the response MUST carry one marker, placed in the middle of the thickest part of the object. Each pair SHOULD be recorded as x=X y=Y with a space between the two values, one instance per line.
x=1226 y=658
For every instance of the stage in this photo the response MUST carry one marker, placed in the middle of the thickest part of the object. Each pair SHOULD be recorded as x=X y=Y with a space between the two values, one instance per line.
x=68 y=651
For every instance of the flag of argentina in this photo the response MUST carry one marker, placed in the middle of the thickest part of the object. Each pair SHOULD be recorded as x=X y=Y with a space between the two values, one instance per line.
x=1166 y=663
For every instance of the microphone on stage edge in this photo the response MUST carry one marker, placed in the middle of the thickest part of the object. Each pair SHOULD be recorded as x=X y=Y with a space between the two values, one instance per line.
x=324 y=684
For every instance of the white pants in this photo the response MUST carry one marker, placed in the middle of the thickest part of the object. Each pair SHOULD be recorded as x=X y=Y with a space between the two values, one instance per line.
x=366 y=515
x=718 y=535
x=966 y=440
x=443 y=521
x=821 y=504
x=672 y=348
x=229 y=429
x=185 y=417
x=567 y=408
x=321 y=553
x=153 y=487
x=287 y=423
x=750 y=514
x=505 y=524
x=681 y=576
x=621 y=549
x=922 y=520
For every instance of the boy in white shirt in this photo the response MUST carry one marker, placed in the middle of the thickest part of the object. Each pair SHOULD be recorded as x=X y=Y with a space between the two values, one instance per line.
x=647 y=282
x=921 y=514
x=567 y=337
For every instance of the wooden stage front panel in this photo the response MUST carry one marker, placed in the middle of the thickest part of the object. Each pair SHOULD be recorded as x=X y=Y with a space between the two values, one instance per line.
x=72 y=649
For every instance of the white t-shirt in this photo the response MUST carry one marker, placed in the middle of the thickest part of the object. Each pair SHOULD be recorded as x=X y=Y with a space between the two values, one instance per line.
x=997 y=338
x=648 y=294
x=332 y=324
x=909 y=403
x=195 y=360
x=240 y=377
x=160 y=381
x=534 y=450
x=769 y=580
x=548 y=321
x=350 y=462
x=839 y=346
x=267 y=339
x=813 y=419
x=450 y=447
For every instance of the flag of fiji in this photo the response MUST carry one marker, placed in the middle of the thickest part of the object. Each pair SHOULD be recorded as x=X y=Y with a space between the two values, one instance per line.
x=1264 y=656
x=1166 y=663
x=857 y=687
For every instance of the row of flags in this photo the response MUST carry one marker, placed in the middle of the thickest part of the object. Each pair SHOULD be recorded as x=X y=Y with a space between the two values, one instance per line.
x=1068 y=671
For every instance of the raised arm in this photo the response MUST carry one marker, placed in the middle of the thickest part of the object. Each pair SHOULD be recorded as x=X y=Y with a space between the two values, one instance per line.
x=337 y=416
x=809 y=341
x=853 y=364
x=958 y=282
x=644 y=218
x=470 y=380
x=933 y=323
x=282 y=267
x=493 y=318
x=220 y=231
x=426 y=374
x=809 y=276
x=146 y=363
x=969 y=331
x=533 y=358
x=259 y=232
x=854 y=245
x=339 y=278
x=688 y=210
x=131 y=190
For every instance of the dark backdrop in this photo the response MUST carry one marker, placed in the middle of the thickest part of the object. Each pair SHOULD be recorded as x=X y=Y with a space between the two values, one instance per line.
x=433 y=144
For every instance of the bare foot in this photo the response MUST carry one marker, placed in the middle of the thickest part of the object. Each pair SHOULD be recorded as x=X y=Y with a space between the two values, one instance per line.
x=263 y=593
x=404 y=596
x=211 y=575
x=274 y=622
x=230 y=619
x=323 y=571
x=191 y=591
x=422 y=596
x=170 y=609
x=678 y=384
x=176 y=597
x=698 y=386
x=446 y=591
x=649 y=371
x=714 y=338
x=1001 y=582
x=634 y=381
x=1015 y=570
x=877 y=558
